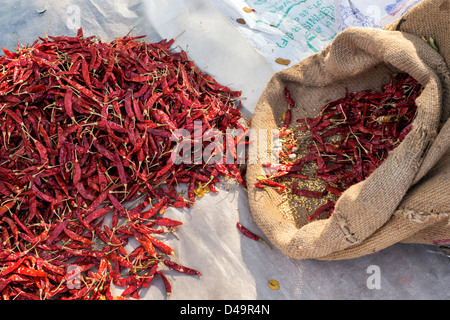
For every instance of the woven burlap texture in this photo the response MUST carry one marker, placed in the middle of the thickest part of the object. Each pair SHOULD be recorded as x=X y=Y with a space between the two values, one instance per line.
x=407 y=198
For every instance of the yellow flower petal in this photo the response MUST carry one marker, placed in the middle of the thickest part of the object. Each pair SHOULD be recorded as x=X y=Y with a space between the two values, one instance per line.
x=273 y=284
x=201 y=190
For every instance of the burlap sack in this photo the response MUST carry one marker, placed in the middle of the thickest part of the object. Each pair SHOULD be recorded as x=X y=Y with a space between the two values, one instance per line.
x=406 y=199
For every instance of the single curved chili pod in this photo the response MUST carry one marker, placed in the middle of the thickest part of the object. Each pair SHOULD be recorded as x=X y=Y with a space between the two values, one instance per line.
x=164 y=169
x=12 y=267
x=6 y=207
x=166 y=282
x=167 y=222
x=287 y=118
x=334 y=190
x=98 y=201
x=43 y=154
x=101 y=268
x=57 y=231
x=249 y=234
x=180 y=268
x=154 y=209
x=76 y=176
x=148 y=277
x=75 y=236
x=97 y=213
x=161 y=245
x=145 y=242
x=329 y=205
x=307 y=193
x=85 y=73
x=270 y=183
x=30 y=272
x=137 y=108
x=68 y=104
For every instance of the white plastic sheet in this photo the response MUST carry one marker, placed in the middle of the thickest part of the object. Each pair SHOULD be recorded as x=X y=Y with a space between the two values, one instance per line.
x=295 y=29
x=286 y=29
x=368 y=13
x=233 y=267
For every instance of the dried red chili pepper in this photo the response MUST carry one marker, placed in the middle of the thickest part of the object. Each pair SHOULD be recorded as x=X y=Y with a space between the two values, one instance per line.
x=329 y=205
x=6 y=207
x=145 y=242
x=270 y=183
x=349 y=138
x=180 y=268
x=306 y=193
x=287 y=95
x=160 y=245
x=167 y=222
x=166 y=282
x=96 y=134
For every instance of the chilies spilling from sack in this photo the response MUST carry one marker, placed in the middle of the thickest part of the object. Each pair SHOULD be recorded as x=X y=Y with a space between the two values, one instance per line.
x=345 y=143
x=86 y=130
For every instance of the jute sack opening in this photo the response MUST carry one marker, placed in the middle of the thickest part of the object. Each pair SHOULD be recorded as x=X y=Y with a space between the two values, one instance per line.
x=407 y=198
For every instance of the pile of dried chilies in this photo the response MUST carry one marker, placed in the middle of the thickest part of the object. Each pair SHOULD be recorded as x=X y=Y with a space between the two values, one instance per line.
x=86 y=133
x=344 y=144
